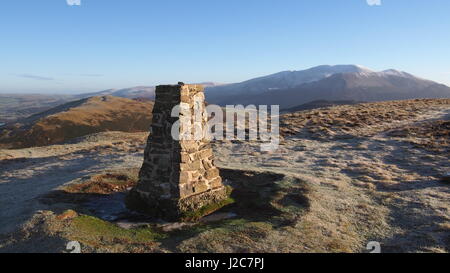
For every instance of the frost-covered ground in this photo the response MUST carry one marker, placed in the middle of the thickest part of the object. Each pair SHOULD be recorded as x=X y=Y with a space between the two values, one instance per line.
x=364 y=185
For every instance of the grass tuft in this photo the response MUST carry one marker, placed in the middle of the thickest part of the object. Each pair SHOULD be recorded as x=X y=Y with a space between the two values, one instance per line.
x=95 y=231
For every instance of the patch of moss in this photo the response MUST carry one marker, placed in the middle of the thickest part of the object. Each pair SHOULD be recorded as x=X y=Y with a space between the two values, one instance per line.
x=94 y=231
x=208 y=209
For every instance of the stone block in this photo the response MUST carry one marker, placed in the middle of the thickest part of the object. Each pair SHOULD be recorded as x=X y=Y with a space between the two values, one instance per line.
x=212 y=173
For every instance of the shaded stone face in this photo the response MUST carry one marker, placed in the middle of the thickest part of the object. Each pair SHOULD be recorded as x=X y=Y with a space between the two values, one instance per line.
x=177 y=176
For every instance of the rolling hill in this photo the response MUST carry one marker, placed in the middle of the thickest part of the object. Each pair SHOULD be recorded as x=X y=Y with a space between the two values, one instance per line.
x=78 y=118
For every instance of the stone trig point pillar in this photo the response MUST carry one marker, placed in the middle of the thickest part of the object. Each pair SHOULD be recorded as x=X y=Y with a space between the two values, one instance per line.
x=178 y=177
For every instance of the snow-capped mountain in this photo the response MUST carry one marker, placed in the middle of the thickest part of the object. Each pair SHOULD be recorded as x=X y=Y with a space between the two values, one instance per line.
x=284 y=79
x=340 y=82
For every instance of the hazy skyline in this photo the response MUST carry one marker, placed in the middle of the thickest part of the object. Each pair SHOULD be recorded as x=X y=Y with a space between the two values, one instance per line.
x=51 y=47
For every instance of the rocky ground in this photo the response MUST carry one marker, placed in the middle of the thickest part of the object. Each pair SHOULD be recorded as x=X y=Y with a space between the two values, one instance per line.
x=343 y=176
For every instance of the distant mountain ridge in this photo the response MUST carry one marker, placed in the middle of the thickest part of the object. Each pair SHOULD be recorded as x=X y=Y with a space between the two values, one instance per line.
x=340 y=82
x=146 y=92
x=289 y=89
x=130 y=93
x=16 y=106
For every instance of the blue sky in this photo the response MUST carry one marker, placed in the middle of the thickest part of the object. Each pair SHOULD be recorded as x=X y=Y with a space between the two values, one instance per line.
x=49 y=46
